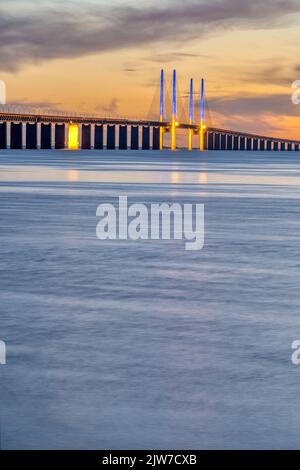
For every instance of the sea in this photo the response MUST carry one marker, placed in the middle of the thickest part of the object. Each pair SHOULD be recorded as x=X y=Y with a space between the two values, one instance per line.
x=141 y=344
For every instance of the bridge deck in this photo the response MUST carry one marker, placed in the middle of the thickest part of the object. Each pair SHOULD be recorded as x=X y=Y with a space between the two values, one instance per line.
x=85 y=119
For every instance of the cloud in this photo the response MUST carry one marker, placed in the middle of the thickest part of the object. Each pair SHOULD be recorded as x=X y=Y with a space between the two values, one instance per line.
x=129 y=70
x=110 y=109
x=53 y=31
x=252 y=106
x=164 y=58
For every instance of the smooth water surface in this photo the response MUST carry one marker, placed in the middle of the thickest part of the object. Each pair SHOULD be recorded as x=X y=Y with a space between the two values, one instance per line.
x=127 y=345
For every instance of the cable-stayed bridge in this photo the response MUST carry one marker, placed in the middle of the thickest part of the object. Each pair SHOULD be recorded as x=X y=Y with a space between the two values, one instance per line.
x=22 y=127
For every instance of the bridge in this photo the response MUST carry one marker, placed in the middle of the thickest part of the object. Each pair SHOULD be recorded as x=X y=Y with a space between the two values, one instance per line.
x=33 y=129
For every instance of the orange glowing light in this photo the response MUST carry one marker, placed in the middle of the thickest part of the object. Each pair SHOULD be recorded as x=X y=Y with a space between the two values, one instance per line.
x=73 y=137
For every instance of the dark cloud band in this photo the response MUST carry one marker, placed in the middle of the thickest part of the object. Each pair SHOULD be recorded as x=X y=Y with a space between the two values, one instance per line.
x=51 y=33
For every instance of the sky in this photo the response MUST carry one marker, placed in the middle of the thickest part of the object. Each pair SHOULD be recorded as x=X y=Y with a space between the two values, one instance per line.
x=105 y=57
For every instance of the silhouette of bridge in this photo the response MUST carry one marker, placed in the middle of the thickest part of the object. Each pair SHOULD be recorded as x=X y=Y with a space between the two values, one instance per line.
x=23 y=128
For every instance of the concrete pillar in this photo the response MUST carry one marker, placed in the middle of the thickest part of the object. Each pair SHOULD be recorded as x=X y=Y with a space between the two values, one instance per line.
x=151 y=138
x=52 y=135
x=66 y=135
x=80 y=136
x=8 y=135
x=117 y=137
x=39 y=135
x=105 y=136
x=24 y=135
x=92 y=136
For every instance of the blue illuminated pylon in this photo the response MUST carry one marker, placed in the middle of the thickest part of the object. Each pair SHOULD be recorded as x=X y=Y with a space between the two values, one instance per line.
x=202 y=101
x=191 y=101
x=174 y=112
x=162 y=109
x=174 y=101
x=202 y=115
x=191 y=115
x=162 y=95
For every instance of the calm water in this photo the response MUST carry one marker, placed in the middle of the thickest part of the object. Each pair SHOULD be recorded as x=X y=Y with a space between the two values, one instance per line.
x=142 y=344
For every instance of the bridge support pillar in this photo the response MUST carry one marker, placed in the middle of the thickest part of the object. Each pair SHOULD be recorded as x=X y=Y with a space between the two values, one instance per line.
x=38 y=135
x=8 y=135
x=93 y=136
x=52 y=135
x=117 y=137
x=161 y=138
x=190 y=139
x=105 y=136
x=24 y=125
x=173 y=134
x=79 y=136
x=151 y=137
x=66 y=138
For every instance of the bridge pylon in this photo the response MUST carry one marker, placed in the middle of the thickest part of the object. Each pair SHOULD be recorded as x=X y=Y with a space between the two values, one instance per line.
x=191 y=116
x=202 y=117
x=162 y=109
x=174 y=112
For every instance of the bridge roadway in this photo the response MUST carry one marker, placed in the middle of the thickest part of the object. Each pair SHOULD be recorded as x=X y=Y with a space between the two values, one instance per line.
x=50 y=131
